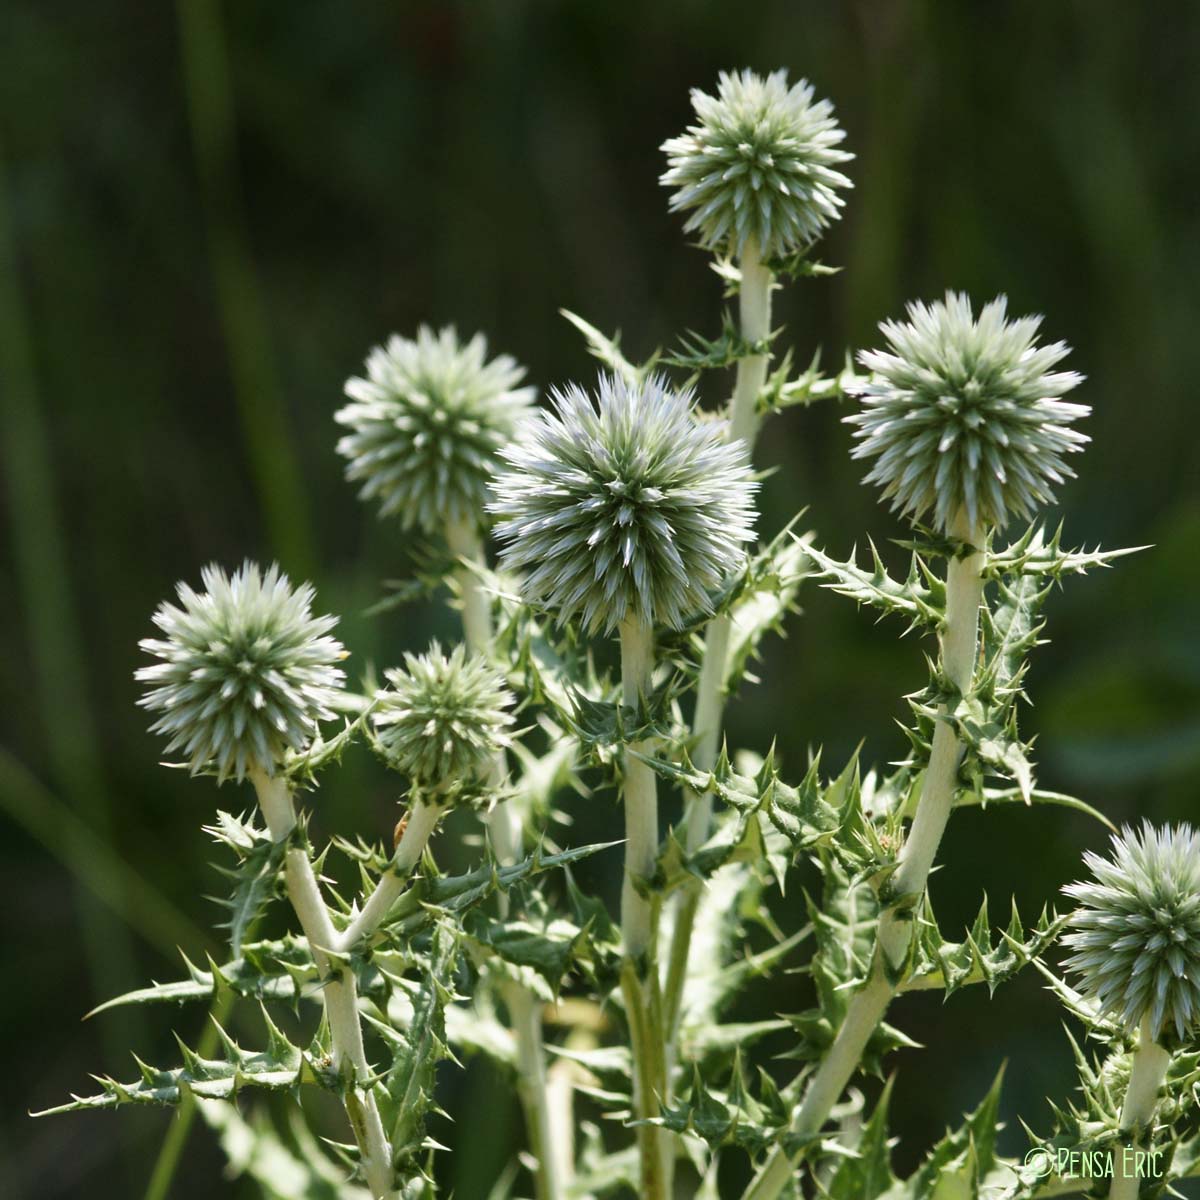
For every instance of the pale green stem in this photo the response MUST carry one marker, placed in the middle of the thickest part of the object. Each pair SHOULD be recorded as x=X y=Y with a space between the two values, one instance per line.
x=554 y=1162
x=754 y=312
x=639 y=975
x=340 y=992
x=646 y=1045
x=1149 y=1069
x=960 y=643
x=422 y=820
x=640 y=793
x=465 y=544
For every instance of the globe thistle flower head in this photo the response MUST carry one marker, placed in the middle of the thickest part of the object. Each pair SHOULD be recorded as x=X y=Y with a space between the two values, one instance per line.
x=966 y=415
x=760 y=164
x=426 y=423
x=246 y=672
x=443 y=719
x=623 y=506
x=1135 y=935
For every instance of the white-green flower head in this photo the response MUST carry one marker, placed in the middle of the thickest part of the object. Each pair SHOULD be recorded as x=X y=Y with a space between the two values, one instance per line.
x=443 y=719
x=1135 y=937
x=966 y=415
x=426 y=424
x=759 y=165
x=623 y=506
x=247 y=672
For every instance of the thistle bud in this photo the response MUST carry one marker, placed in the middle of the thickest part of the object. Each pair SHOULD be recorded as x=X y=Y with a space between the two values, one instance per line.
x=623 y=506
x=247 y=672
x=966 y=415
x=1135 y=935
x=443 y=719
x=426 y=424
x=759 y=165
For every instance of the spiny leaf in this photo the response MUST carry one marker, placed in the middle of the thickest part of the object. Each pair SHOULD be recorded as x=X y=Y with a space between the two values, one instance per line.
x=607 y=350
x=957 y=1165
x=938 y=963
x=781 y=391
x=280 y=1067
x=920 y=598
x=813 y=815
x=1032 y=554
x=697 y=353
x=416 y=1052
x=260 y=860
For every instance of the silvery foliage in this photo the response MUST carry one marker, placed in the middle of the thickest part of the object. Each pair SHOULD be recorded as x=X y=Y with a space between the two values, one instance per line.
x=759 y=164
x=623 y=505
x=247 y=673
x=966 y=414
x=1135 y=935
x=443 y=717
x=426 y=423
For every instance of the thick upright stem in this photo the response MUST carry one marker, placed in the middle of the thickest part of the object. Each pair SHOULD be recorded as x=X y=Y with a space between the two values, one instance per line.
x=754 y=312
x=639 y=974
x=340 y=992
x=640 y=793
x=960 y=643
x=1149 y=1069
x=554 y=1162
x=465 y=544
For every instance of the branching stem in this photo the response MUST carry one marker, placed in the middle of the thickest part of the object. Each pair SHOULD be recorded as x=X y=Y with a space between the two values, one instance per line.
x=554 y=1167
x=340 y=992
x=754 y=314
x=960 y=642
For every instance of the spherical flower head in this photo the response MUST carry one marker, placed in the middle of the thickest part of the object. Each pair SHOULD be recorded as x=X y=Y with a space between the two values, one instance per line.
x=623 y=506
x=246 y=672
x=965 y=415
x=444 y=719
x=426 y=424
x=759 y=165
x=1135 y=937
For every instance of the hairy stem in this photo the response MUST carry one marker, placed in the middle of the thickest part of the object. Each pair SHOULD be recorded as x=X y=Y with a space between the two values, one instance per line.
x=959 y=644
x=1149 y=1069
x=554 y=1167
x=340 y=992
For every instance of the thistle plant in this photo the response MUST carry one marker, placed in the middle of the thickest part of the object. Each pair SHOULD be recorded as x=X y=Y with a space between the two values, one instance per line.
x=425 y=425
x=626 y=511
x=246 y=672
x=443 y=720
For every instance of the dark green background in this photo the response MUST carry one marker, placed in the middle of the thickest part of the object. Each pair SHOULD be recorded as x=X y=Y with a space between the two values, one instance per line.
x=209 y=212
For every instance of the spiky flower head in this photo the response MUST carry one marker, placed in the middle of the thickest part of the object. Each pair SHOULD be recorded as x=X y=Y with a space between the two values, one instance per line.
x=623 y=505
x=966 y=415
x=1135 y=937
x=426 y=424
x=443 y=719
x=246 y=672
x=760 y=164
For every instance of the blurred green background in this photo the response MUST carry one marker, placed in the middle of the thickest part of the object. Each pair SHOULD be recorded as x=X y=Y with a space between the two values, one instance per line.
x=210 y=211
